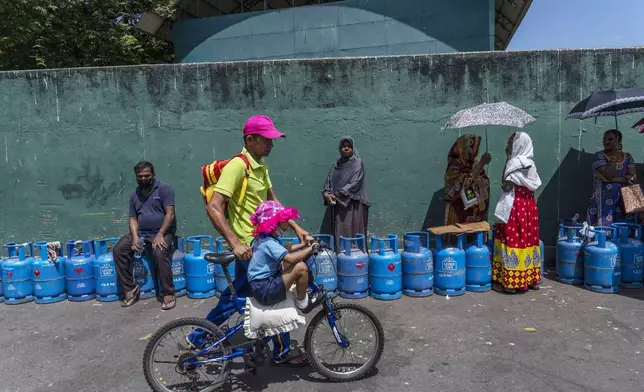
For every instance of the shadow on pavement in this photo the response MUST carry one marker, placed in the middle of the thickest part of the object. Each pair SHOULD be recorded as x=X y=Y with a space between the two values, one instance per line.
x=268 y=375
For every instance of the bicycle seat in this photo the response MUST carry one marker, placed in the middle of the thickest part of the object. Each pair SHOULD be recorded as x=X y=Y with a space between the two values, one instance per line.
x=220 y=258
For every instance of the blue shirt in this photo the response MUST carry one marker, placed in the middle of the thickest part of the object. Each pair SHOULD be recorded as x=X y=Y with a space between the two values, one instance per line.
x=267 y=255
x=150 y=211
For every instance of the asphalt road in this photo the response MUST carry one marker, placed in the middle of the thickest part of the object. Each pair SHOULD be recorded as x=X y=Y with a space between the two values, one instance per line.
x=584 y=342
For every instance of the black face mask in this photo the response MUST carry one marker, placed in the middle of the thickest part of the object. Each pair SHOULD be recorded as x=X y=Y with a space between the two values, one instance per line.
x=145 y=183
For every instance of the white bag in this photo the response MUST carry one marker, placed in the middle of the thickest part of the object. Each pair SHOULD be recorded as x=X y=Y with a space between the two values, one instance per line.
x=260 y=321
x=504 y=206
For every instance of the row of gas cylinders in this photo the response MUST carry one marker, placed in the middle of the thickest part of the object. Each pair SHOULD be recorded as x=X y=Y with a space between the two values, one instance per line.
x=612 y=261
x=84 y=271
x=384 y=273
x=88 y=271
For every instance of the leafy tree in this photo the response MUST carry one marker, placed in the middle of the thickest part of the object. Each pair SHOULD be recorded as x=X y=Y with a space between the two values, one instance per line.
x=78 y=33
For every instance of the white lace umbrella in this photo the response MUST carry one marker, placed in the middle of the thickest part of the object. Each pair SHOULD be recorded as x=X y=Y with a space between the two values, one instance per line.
x=498 y=113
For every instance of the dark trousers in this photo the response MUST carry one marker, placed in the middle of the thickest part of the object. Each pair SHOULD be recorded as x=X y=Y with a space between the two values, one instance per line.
x=225 y=307
x=162 y=258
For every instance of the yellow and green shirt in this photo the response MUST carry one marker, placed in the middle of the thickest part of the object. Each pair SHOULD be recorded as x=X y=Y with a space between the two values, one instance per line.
x=229 y=185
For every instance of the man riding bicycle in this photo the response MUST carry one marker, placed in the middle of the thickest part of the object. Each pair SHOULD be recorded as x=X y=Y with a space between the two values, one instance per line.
x=237 y=229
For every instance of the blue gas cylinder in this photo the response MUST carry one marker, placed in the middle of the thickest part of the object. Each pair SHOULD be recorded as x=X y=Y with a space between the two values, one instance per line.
x=10 y=249
x=17 y=282
x=221 y=283
x=449 y=267
x=570 y=255
x=631 y=252
x=490 y=237
x=145 y=273
x=48 y=276
x=178 y=274
x=353 y=268
x=602 y=265
x=79 y=271
x=325 y=268
x=417 y=265
x=105 y=278
x=385 y=268
x=1 y=290
x=200 y=274
x=288 y=241
x=2 y=260
x=478 y=266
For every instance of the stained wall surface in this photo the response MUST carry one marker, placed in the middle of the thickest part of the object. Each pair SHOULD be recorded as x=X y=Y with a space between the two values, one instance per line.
x=71 y=137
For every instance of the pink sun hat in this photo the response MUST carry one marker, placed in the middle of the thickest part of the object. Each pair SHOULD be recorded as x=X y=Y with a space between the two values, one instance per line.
x=269 y=215
x=263 y=126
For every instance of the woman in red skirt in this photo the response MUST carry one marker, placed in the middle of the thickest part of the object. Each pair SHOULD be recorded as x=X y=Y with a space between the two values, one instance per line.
x=517 y=257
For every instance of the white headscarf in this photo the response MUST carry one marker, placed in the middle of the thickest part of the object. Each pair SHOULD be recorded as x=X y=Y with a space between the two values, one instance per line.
x=521 y=170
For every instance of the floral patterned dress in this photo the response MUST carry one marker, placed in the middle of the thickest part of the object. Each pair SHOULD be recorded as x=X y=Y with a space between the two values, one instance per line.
x=517 y=257
x=605 y=205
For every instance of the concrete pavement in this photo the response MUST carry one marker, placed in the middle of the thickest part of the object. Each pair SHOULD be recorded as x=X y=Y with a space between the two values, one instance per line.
x=584 y=342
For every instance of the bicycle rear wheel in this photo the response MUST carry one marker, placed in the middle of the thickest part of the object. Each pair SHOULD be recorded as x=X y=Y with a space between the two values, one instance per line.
x=361 y=329
x=164 y=358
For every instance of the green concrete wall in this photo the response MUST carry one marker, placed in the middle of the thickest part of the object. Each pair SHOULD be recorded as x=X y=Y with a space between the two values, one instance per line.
x=339 y=29
x=69 y=138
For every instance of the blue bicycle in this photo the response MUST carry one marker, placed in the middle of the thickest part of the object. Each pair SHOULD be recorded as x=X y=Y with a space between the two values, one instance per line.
x=344 y=348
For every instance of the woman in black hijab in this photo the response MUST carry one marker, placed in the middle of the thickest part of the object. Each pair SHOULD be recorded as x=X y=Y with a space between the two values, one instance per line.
x=345 y=195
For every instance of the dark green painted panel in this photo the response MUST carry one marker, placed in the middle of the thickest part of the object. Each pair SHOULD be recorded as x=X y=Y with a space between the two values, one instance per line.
x=353 y=27
x=71 y=137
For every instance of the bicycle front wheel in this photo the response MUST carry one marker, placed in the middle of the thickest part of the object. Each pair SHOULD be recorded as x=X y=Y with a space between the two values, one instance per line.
x=365 y=337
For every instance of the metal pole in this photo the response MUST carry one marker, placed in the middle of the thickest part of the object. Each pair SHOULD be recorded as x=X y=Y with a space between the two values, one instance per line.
x=265 y=5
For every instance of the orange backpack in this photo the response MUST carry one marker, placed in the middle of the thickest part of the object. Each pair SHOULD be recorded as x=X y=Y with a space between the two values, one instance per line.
x=211 y=174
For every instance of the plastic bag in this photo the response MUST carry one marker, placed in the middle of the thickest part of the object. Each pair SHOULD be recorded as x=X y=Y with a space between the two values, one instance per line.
x=469 y=197
x=633 y=199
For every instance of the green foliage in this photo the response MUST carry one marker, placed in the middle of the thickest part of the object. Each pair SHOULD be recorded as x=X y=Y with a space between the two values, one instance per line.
x=78 y=33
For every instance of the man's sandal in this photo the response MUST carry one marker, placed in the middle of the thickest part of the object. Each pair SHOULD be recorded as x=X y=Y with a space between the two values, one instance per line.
x=169 y=305
x=131 y=297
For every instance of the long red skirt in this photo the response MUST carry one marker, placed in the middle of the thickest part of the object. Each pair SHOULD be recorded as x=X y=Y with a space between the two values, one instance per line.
x=517 y=257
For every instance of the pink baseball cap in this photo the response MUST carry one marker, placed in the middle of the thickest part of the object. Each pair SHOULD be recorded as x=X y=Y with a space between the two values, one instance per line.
x=263 y=126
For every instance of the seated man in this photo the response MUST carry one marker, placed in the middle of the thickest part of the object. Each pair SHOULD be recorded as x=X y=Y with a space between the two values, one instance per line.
x=152 y=218
x=268 y=282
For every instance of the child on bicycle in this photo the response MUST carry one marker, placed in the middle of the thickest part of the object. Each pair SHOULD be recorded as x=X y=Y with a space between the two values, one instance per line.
x=272 y=269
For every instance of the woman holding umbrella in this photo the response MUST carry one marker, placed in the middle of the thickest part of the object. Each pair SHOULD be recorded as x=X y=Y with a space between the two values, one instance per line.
x=612 y=169
x=467 y=187
x=464 y=174
x=517 y=258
